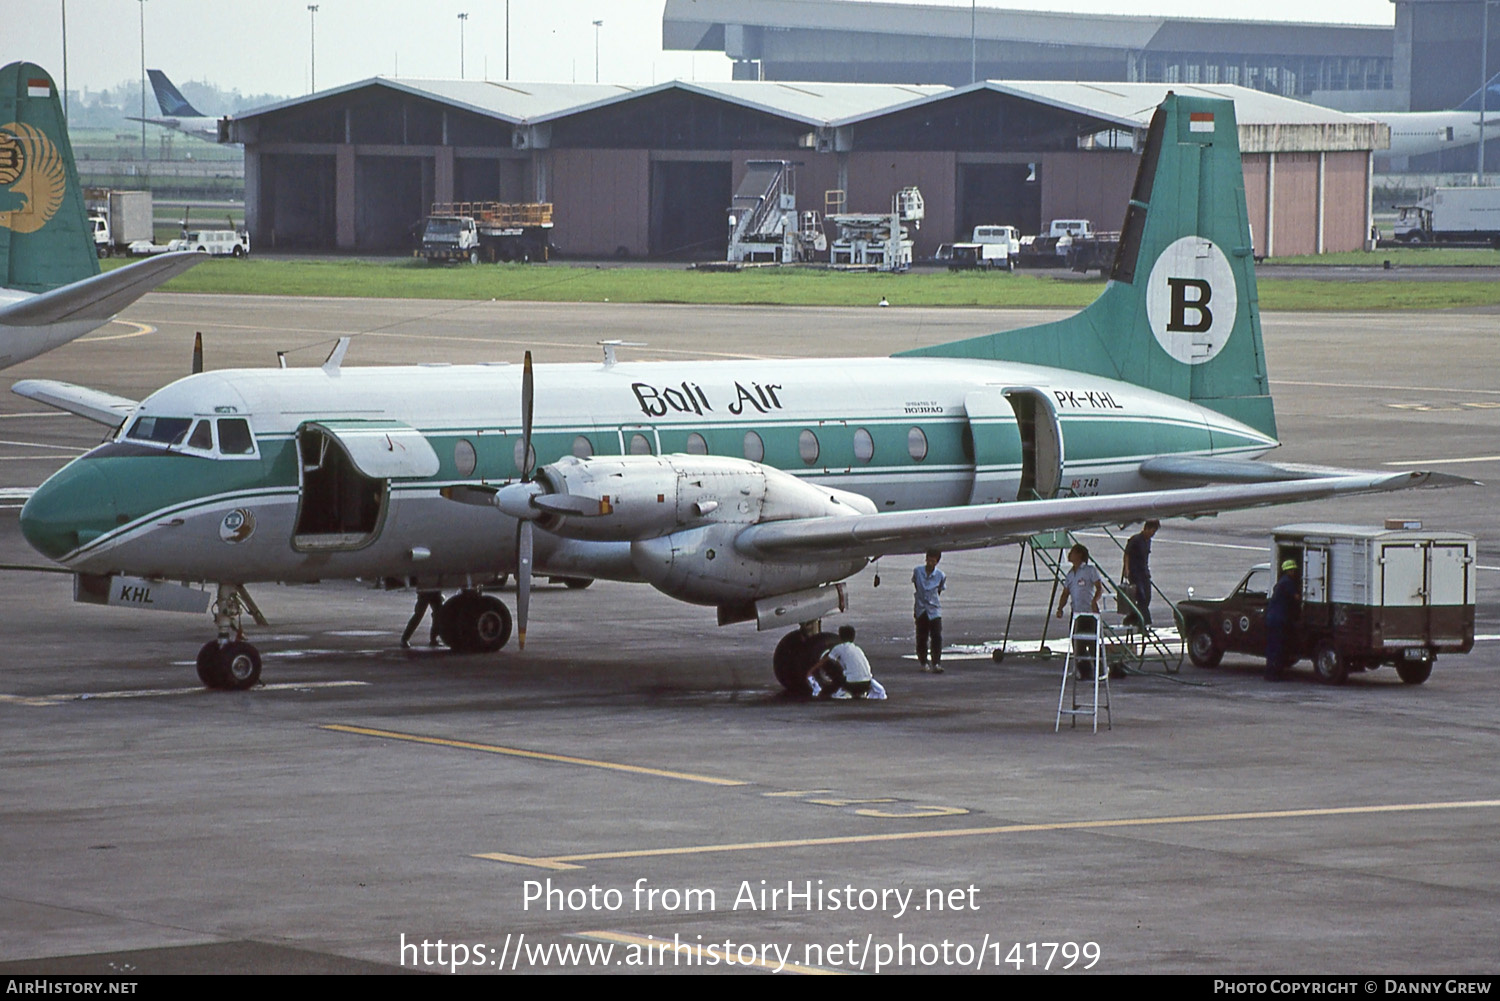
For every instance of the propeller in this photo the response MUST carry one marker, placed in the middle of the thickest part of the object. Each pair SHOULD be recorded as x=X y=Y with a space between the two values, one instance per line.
x=525 y=533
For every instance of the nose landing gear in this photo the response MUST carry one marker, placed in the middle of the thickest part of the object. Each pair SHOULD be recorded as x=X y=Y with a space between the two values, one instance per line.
x=229 y=662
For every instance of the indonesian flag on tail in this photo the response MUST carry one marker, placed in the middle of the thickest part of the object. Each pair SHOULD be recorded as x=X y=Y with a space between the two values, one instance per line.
x=38 y=88
x=1201 y=121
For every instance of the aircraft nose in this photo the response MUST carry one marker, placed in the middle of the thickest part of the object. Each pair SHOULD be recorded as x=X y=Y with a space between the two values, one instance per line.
x=73 y=508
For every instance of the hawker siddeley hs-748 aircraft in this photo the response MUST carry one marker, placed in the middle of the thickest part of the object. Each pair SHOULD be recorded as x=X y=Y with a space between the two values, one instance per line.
x=52 y=290
x=754 y=487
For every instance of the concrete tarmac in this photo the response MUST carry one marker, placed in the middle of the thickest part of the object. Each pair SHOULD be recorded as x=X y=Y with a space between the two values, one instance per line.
x=633 y=794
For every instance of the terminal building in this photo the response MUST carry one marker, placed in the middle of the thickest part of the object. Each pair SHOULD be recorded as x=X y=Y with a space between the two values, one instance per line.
x=650 y=171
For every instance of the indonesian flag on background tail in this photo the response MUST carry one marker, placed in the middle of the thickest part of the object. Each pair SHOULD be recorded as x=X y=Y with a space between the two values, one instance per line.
x=38 y=88
x=1201 y=121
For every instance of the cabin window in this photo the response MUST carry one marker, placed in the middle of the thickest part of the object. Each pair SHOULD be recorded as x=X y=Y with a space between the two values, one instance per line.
x=696 y=445
x=162 y=430
x=464 y=457
x=916 y=444
x=524 y=458
x=755 y=449
x=202 y=436
x=582 y=447
x=807 y=447
x=235 y=438
x=864 y=445
x=640 y=444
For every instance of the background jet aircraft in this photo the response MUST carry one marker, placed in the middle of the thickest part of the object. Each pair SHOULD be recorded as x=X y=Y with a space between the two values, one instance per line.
x=177 y=114
x=754 y=487
x=1416 y=132
x=52 y=289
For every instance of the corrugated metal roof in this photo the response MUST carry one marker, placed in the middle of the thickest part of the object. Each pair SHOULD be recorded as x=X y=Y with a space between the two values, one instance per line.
x=1133 y=103
x=809 y=103
x=510 y=101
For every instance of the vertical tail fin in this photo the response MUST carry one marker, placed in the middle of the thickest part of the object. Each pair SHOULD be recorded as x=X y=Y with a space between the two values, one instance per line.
x=45 y=237
x=1179 y=314
x=169 y=99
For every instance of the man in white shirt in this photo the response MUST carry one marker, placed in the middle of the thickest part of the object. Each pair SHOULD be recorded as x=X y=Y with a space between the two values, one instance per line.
x=846 y=667
x=1083 y=584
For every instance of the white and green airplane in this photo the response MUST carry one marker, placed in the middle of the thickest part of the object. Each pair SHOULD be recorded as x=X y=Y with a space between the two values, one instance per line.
x=753 y=487
x=51 y=291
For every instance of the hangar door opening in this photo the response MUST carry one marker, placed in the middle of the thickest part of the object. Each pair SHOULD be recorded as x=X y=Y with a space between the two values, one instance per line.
x=297 y=196
x=390 y=201
x=689 y=199
x=999 y=193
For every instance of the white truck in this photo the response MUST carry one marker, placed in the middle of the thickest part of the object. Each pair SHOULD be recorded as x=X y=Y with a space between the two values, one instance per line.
x=990 y=247
x=1452 y=215
x=119 y=218
x=1070 y=242
x=215 y=242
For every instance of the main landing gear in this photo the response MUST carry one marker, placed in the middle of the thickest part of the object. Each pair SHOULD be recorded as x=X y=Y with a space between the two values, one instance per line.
x=472 y=622
x=229 y=662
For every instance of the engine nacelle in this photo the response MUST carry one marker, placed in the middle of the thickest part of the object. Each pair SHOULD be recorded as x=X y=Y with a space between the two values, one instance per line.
x=629 y=498
x=702 y=566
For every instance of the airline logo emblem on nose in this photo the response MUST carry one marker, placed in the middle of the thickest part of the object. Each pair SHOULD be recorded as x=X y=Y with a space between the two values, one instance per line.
x=237 y=526
x=31 y=169
x=1191 y=301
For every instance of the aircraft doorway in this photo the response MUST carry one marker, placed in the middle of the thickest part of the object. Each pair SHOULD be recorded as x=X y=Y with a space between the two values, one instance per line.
x=999 y=193
x=1041 y=444
x=339 y=507
x=689 y=199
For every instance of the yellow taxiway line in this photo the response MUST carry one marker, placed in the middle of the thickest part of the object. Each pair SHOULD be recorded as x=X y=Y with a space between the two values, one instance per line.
x=559 y=862
x=519 y=752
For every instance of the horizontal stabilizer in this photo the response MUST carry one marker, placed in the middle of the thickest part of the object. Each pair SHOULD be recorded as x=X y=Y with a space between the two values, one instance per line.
x=94 y=404
x=874 y=535
x=100 y=297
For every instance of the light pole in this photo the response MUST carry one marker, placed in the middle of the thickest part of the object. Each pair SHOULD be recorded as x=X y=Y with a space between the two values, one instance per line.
x=597 y=26
x=507 y=39
x=65 y=55
x=143 y=80
x=312 y=47
x=461 y=19
x=973 y=42
x=1484 y=82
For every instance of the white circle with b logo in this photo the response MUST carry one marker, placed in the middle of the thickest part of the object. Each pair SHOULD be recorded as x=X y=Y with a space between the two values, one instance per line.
x=1191 y=301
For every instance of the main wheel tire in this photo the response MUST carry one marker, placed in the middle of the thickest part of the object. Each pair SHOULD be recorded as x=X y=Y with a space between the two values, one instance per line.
x=1330 y=666
x=576 y=583
x=1414 y=672
x=1203 y=648
x=470 y=622
x=794 y=657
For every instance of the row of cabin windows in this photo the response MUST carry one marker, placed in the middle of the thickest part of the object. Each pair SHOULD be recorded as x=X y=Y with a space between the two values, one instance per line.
x=466 y=459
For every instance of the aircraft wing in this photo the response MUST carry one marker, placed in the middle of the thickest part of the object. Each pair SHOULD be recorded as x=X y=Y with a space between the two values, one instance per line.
x=874 y=535
x=94 y=404
x=99 y=297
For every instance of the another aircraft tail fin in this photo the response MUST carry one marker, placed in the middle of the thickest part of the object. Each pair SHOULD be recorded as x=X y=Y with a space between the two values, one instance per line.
x=1180 y=313
x=46 y=240
x=1491 y=100
x=170 y=99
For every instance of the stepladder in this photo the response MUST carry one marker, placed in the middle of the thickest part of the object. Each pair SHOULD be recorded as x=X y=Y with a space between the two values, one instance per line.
x=1085 y=676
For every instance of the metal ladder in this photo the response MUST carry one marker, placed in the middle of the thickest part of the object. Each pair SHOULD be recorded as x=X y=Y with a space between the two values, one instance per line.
x=1086 y=657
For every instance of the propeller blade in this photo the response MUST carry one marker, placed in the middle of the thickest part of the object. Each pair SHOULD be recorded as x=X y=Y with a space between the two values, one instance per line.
x=583 y=507
x=528 y=389
x=523 y=579
x=197 y=352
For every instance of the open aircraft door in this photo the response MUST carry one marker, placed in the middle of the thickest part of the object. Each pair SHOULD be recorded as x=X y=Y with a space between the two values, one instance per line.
x=1018 y=445
x=344 y=479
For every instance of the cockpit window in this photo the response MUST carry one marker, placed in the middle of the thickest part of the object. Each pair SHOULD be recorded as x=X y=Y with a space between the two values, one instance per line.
x=163 y=430
x=202 y=436
x=234 y=437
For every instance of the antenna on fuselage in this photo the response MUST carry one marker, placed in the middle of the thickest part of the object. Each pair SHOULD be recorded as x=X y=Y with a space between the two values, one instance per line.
x=336 y=356
x=609 y=349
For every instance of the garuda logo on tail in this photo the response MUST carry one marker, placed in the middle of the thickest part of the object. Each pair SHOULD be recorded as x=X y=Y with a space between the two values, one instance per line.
x=30 y=167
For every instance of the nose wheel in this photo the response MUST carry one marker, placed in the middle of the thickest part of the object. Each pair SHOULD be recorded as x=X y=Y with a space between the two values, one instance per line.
x=231 y=665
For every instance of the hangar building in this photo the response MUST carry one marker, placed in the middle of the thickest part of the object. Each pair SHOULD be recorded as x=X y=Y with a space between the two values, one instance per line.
x=1341 y=65
x=650 y=171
